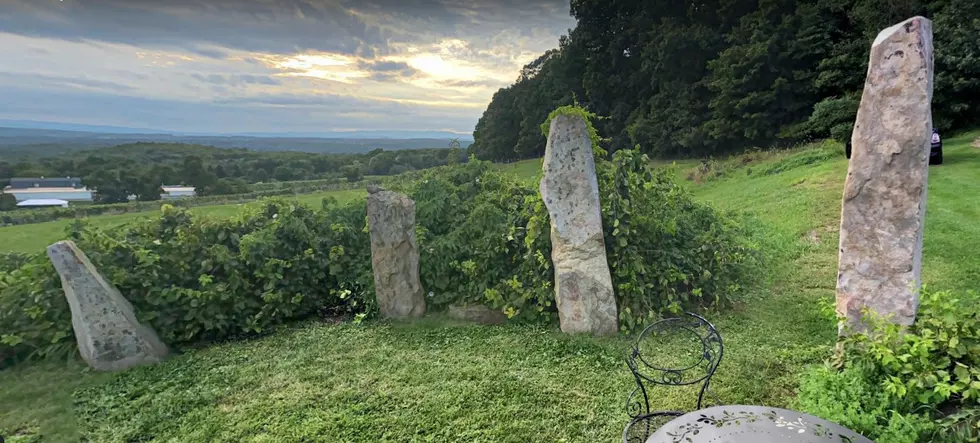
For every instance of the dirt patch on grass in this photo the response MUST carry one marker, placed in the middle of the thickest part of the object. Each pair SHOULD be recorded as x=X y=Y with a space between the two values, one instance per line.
x=813 y=237
x=976 y=143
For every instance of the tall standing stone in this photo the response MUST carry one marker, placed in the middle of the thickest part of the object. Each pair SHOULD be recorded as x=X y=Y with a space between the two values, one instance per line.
x=394 y=254
x=884 y=202
x=583 y=286
x=109 y=336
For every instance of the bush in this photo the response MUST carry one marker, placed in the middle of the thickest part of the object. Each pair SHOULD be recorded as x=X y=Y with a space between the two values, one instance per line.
x=895 y=384
x=34 y=318
x=666 y=252
x=853 y=399
x=352 y=172
x=13 y=260
x=195 y=279
x=834 y=117
x=7 y=202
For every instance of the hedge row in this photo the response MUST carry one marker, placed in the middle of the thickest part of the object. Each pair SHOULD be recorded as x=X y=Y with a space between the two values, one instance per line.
x=325 y=183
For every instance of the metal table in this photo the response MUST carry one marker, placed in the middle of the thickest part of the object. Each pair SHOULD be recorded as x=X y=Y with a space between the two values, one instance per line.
x=752 y=424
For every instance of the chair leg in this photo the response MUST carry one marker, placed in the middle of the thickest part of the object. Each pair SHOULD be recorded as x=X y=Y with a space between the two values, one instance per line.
x=640 y=428
x=706 y=388
x=634 y=408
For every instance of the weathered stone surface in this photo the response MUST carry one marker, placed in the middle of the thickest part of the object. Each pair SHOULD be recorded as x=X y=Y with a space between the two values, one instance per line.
x=583 y=286
x=109 y=336
x=395 y=255
x=477 y=314
x=884 y=200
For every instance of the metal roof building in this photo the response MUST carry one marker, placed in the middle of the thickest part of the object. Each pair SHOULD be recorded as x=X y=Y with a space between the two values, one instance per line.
x=69 y=194
x=42 y=203
x=35 y=182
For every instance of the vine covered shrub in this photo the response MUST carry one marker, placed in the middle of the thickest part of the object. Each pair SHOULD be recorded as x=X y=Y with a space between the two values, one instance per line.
x=34 y=316
x=666 y=252
x=915 y=385
x=205 y=278
x=485 y=239
x=12 y=260
x=471 y=228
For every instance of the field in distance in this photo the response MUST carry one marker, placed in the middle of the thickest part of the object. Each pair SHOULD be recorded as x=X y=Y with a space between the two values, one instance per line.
x=35 y=237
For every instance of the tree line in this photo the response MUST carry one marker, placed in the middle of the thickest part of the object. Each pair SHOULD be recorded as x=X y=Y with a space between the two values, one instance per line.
x=681 y=79
x=139 y=169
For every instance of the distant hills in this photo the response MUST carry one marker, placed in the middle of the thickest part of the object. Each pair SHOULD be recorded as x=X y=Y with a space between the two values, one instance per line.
x=21 y=138
x=114 y=130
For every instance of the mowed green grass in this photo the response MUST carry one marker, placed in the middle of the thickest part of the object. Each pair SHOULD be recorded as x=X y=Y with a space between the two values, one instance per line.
x=440 y=381
x=35 y=237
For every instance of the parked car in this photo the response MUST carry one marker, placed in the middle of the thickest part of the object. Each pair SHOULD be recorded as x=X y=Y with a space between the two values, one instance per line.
x=935 y=154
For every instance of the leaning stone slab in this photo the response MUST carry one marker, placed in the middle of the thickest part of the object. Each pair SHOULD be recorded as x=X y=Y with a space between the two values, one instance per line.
x=109 y=336
x=394 y=254
x=884 y=202
x=583 y=286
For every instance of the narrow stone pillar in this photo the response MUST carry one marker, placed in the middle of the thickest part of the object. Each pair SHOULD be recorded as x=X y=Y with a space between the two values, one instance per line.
x=109 y=336
x=884 y=202
x=394 y=254
x=583 y=286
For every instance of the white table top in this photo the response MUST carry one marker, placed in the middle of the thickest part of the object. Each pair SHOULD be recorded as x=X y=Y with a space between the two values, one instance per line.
x=752 y=424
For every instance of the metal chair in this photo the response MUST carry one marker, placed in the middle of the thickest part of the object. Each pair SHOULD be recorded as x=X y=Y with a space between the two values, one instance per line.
x=677 y=351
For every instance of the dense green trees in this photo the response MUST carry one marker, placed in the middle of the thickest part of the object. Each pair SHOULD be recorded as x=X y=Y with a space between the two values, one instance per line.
x=7 y=202
x=352 y=172
x=693 y=79
x=140 y=169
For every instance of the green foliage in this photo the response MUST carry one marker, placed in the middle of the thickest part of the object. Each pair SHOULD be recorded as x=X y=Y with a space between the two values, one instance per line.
x=666 y=252
x=728 y=76
x=352 y=172
x=833 y=117
x=852 y=399
x=509 y=129
x=7 y=202
x=202 y=279
x=588 y=117
x=471 y=224
x=34 y=315
x=12 y=260
x=895 y=382
x=455 y=152
x=141 y=168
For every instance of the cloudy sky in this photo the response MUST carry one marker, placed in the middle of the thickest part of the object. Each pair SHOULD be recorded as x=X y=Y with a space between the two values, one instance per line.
x=267 y=65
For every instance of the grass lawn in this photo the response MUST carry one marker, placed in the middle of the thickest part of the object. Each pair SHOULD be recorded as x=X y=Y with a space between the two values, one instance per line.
x=528 y=169
x=439 y=381
x=36 y=236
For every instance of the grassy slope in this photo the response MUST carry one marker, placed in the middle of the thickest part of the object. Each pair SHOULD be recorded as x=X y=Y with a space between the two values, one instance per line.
x=436 y=381
x=34 y=237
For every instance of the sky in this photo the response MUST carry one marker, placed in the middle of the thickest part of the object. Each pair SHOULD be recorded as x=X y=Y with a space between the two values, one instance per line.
x=230 y=66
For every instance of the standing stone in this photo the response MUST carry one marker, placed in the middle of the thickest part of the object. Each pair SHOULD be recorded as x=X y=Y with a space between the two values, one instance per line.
x=394 y=254
x=109 y=336
x=884 y=201
x=583 y=286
